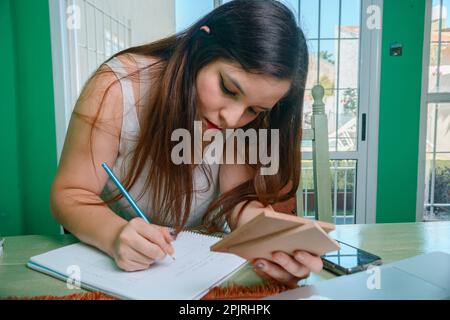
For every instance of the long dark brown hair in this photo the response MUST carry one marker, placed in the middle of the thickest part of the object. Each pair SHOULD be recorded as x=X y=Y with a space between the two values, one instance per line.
x=261 y=36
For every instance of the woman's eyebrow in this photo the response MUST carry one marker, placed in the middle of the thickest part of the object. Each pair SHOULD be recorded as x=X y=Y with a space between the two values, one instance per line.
x=237 y=85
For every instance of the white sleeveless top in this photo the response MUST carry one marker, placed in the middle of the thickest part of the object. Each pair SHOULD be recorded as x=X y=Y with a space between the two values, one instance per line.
x=202 y=196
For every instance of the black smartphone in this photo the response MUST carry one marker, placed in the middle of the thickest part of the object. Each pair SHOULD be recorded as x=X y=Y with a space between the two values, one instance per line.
x=349 y=260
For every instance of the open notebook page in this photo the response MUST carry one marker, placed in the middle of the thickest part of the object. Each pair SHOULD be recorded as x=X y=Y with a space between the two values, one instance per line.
x=190 y=276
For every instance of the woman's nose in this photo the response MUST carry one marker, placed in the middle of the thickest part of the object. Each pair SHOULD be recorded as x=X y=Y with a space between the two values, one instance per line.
x=231 y=116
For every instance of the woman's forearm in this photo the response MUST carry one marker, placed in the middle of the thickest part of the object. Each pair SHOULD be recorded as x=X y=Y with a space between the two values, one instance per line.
x=95 y=225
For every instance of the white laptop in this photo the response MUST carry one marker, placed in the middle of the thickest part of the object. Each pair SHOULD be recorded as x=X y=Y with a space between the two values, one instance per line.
x=418 y=278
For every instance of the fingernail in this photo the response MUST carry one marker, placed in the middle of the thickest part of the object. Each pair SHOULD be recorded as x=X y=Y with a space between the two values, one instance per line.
x=260 y=265
x=280 y=260
x=278 y=257
x=300 y=256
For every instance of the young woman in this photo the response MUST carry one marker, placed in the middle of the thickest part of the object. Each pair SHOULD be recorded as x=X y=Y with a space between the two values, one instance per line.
x=244 y=65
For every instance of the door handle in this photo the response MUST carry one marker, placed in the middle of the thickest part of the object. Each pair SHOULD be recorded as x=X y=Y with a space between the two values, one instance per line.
x=363 y=126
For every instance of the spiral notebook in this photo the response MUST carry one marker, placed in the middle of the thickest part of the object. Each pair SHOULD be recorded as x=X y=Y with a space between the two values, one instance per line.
x=189 y=277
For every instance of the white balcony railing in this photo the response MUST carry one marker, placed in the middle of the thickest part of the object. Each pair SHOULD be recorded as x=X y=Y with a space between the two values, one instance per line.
x=343 y=188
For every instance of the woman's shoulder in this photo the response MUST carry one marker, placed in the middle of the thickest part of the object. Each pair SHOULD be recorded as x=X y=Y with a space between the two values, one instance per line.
x=134 y=62
x=139 y=72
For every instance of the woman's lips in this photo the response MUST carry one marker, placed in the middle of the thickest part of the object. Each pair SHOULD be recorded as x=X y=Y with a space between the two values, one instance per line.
x=212 y=125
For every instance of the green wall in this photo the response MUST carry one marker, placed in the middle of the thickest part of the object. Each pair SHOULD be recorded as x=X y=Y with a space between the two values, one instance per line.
x=401 y=79
x=10 y=205
x=27 y=121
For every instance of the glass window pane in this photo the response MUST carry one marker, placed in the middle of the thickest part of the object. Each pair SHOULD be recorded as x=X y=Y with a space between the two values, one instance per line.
x=442 y=179
x=435 y=37
x=439 y=75
x=443 y=128
x=438 y=212
x=188 y=12
x=327 y=63
x=309 y=15
x=433 y=70
x=438 y=187
x=330 y=111
x=306 y=146
x=445 y=6
x=307 y=185
x=437 y=168
x=307 y=109
x=444 y=68
x=312 y=73
x=428 y=178
x=343 y=182
x=350 y=18
x=329 y=19
x=349 y=64
x=347 y=120
x=336 y=75
x=431 y=117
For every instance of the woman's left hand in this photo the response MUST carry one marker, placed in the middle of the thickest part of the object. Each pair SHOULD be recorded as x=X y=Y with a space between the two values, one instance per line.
x=286 y=269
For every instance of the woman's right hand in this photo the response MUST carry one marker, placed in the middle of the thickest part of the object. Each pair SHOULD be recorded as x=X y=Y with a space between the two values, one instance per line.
x=139 y=244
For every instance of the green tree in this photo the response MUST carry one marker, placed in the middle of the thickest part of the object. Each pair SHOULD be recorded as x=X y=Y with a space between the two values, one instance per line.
x=442 y=185
x=327 y=84
x=350 y=101
x=325 y=55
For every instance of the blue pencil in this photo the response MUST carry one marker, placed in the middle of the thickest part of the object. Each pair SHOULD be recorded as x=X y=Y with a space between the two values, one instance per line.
x=125 y=193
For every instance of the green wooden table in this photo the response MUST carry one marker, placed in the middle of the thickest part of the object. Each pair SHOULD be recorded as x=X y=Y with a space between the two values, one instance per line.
x=390 y=241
